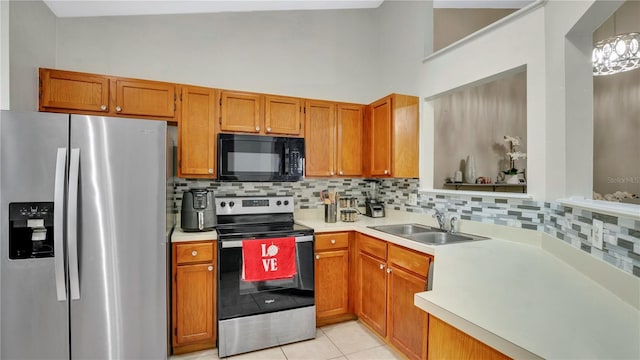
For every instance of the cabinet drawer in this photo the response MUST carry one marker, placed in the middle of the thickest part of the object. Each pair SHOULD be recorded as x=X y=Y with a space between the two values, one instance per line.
x=332 y=241
x=191 y=253
x=372 y=246
x=413 y=261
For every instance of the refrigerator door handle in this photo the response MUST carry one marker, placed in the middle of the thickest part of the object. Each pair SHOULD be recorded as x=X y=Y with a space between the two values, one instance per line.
x=72 y=223
x=58 y=224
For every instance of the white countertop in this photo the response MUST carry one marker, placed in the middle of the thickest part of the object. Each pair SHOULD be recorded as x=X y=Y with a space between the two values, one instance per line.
x=513 y=295
x=180 y=235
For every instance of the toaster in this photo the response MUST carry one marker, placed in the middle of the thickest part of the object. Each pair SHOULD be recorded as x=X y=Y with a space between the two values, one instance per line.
x=198 y=211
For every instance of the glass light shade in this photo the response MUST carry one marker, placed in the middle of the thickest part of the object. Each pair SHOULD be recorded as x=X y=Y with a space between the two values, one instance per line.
x=616 y=54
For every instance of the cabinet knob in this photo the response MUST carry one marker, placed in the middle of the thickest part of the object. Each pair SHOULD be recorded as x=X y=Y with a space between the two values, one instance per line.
x=331 y=173
x=388 y=270
x=210 y=268
x=103 y=107
x=210 y=171
x=381 y=266
x=386 y=172
x=257 y=128
x=317 y=257
x=341 y=173
x=194 y=253
x=333 y=241
x=118 y=108
x=268 y=129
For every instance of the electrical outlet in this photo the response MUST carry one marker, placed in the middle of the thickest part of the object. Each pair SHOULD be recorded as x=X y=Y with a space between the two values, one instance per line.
x=413 y=200
x=597 y=234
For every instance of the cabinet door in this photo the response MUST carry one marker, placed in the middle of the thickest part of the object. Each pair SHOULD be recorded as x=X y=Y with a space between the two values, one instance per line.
x=349 y=144
x=372 y=297
x=320 y=138
x=145 y=98
x=407 y=324
x=240 y=112
x=380 y=142
x=332 y=283
x=194 y=303
x=197 y=133
x=283 y=115
x=73 y=91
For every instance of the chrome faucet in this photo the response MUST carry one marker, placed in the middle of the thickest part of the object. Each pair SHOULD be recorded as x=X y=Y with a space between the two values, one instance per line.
x=441 y=219
x=452 y=225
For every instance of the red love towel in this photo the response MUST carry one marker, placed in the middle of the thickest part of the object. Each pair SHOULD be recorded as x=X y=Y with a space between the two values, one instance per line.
x=268 y=259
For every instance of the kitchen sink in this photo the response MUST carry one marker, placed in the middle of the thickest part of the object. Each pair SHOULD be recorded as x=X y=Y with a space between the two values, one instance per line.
x=404 y=229
x=426 y=234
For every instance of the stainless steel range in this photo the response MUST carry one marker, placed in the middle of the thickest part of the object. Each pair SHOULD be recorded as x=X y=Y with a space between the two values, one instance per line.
x=265 y=277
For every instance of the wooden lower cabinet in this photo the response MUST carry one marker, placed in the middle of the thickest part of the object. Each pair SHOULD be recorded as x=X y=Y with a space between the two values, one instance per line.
x=447 y=342
x=388 y=278
x=332 y=278
x=193 y=296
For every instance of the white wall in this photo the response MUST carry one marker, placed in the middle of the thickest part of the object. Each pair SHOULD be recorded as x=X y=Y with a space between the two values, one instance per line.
x=32 y=45
x=346 y=55
x=554 y=43
x=501 y=49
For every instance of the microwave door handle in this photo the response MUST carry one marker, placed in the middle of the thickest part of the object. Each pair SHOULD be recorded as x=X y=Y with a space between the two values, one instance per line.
x=286 y=159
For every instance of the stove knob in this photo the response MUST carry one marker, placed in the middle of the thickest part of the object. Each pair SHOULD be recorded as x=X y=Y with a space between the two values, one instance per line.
x=278 y=202
x=231 y=203
x=286 y=202
x=223 y=204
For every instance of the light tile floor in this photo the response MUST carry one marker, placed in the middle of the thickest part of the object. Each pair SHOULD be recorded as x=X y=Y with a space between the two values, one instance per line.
x=349 y=340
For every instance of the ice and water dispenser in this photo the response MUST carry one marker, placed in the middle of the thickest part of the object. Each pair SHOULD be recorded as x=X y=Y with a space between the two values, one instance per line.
x=30 y=230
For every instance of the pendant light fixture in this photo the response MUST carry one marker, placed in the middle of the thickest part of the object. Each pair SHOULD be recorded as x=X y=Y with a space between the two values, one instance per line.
x=616 y=54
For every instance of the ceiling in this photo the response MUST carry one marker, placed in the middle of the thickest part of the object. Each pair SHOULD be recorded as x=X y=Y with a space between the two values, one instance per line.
x=84 y=8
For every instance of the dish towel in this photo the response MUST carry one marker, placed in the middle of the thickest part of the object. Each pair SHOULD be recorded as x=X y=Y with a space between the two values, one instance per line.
x=268 y=259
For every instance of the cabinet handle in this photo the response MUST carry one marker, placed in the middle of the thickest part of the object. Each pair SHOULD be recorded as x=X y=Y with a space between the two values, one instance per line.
x=103 y=107
x=257 y=128
x=118 y=108
x=388 y=270
x=381 y=266
x=386 y=172
x=341 y=173
x=268 y=129
x=333 y=241
x=210 y=268
x=210 y=171
x=317 y=257
x=194 y=253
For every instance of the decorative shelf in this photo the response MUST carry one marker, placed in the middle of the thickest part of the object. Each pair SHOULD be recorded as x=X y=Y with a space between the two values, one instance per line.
x=457 y=186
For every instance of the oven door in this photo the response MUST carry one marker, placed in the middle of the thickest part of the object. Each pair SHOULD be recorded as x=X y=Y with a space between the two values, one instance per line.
x=237 y=297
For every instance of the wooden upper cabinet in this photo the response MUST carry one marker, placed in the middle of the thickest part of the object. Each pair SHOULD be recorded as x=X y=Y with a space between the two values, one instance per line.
x=391 y=137
x=240 y=112
x=283 y=115
x=320 y=138
x=197 y=132
x=349 y=139
x=145 y=98
x=69 y=91
x=380 y=138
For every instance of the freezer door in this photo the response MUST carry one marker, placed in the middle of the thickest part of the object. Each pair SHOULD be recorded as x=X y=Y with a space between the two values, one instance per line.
x=34 y=323
x=119 y=311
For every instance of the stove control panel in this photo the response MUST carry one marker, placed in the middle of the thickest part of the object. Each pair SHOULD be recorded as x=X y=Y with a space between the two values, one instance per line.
x=254 y=205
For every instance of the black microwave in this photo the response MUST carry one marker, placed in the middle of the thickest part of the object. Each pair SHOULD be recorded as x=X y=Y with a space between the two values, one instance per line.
x=260 y=158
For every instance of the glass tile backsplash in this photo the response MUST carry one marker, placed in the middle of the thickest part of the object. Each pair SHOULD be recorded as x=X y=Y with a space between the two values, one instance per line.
x=571 y=225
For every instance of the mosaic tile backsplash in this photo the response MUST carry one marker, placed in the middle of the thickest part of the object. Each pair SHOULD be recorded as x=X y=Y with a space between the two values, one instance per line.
x=572 y=225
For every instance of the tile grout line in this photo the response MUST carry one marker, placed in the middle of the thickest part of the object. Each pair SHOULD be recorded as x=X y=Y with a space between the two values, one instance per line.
x=334 y=344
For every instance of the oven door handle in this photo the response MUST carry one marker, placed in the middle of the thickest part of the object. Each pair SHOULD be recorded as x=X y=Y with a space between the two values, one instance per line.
x=238 y=243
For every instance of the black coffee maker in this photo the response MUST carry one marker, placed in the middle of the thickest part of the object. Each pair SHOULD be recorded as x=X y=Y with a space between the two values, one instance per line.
x=373 y=207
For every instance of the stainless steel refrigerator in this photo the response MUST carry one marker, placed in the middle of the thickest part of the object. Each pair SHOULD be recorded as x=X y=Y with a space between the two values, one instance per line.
x=84 y=237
